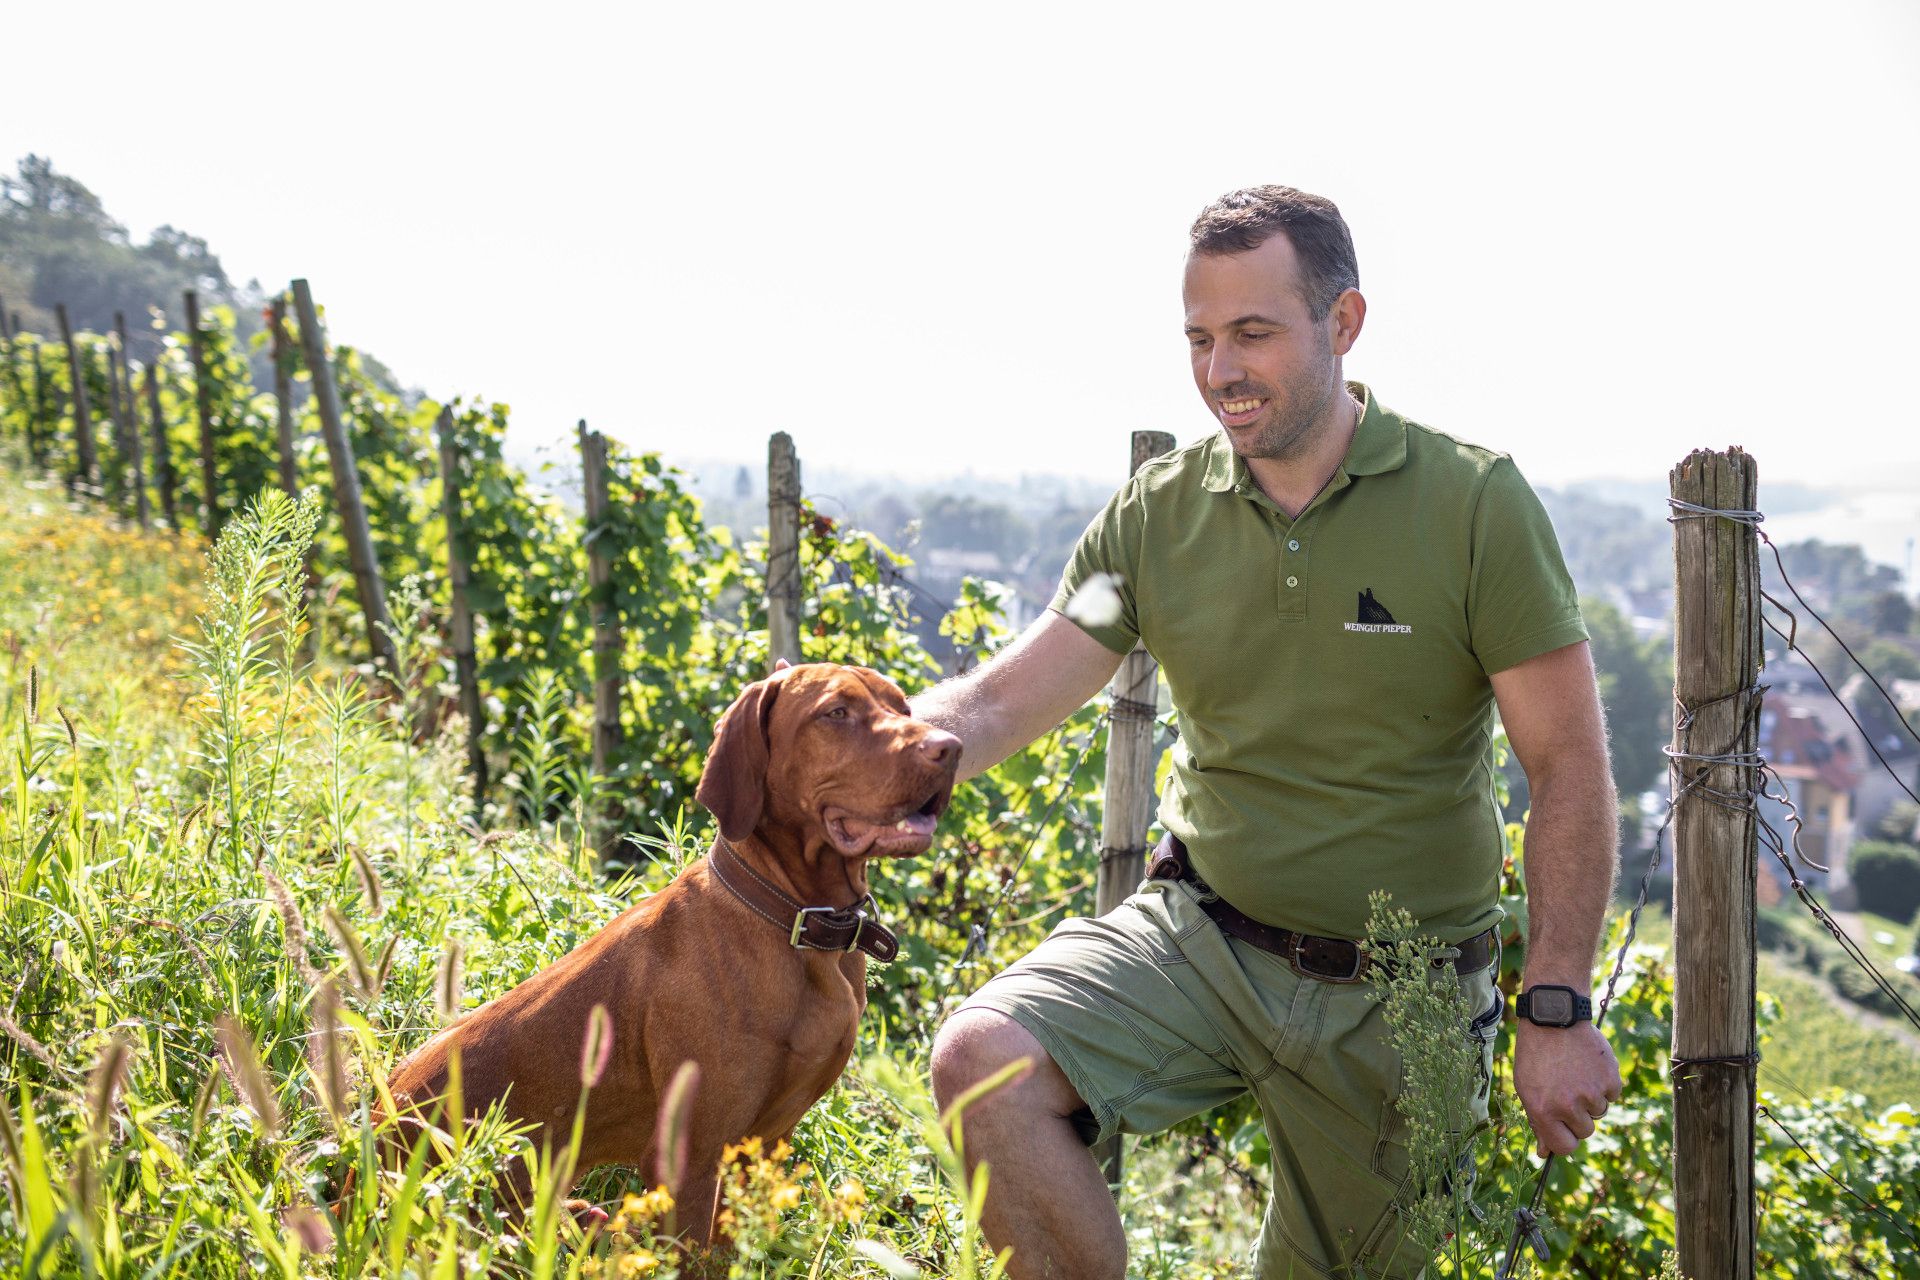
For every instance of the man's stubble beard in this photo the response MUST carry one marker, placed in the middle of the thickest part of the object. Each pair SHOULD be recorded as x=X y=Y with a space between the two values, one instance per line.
x=1283 y=440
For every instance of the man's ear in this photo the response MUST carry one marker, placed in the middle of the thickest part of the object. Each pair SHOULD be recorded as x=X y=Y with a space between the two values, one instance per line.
x=733 y=785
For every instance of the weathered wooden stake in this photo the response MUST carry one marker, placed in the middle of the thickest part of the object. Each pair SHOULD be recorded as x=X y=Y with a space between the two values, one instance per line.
x=1717 y=656
x=203 y=404
x=783 y=550
x=116 y=381
x=130 y=426
x=464 y=665
x=607 y=638
x=43 y=426
x=346 y=481
x=162 y=447
x=283 y=392
x=89 y=465
x=1131 y=762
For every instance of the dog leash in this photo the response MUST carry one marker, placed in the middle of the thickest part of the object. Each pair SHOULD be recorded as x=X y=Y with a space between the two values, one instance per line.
x=811 y=928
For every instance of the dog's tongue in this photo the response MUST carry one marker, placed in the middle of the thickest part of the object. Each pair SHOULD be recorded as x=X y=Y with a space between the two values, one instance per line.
x=914 y=830
x=920 y=824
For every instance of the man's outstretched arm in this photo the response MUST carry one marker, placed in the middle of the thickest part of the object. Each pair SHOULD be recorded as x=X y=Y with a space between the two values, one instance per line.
x=1029 y=687
x=1550 y=706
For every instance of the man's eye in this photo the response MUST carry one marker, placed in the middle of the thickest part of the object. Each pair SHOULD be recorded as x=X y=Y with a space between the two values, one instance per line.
x=1196 y=343
x=1255 y=337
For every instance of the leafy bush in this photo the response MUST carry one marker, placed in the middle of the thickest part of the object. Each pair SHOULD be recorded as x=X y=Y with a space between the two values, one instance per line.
x=1887 y=877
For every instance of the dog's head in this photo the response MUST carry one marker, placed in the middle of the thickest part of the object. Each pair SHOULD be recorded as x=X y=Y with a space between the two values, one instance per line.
x=834 y=751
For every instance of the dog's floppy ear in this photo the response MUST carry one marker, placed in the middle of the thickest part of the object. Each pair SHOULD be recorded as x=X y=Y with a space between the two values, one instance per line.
x=733 y=786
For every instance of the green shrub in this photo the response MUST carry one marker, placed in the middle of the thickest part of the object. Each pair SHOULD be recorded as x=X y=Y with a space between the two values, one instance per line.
x=1887 y=876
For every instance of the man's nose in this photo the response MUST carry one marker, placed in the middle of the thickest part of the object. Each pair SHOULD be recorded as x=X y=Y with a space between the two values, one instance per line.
x=940 y=748
x=1223 y=370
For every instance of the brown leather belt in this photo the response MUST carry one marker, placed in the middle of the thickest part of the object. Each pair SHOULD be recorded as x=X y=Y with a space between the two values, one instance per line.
x=1327 y=959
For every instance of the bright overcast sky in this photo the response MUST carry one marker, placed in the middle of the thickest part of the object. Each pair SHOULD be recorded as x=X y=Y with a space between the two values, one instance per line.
x=925 y=239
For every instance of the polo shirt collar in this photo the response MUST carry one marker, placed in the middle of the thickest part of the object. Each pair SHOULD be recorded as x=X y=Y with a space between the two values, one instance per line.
x=1379 y=445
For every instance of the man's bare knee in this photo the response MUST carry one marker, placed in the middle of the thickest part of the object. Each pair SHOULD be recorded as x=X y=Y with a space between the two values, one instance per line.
x=975 y=1043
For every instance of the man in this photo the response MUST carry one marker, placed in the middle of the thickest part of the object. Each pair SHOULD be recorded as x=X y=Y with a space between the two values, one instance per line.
x=1338 y=598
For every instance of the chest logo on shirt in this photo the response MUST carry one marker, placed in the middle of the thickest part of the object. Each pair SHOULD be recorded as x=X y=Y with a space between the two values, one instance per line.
x=1375 y=619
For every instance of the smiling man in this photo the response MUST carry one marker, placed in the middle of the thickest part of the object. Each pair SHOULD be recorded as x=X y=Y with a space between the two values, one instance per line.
x=1339 y=598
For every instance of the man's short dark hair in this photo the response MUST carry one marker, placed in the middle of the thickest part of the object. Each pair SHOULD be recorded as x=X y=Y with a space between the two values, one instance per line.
x=1246 y=219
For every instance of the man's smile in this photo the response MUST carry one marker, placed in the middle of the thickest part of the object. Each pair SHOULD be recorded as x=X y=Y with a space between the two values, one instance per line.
x=1237 y=413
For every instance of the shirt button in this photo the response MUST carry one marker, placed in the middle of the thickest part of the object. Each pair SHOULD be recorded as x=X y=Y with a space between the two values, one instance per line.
x=1293 y=544
x=1293 y=582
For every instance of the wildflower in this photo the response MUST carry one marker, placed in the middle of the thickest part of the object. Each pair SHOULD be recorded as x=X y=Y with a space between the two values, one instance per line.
x=656 y=1203
x=639 y=1263
x=746 y=1148
x=850 y=1200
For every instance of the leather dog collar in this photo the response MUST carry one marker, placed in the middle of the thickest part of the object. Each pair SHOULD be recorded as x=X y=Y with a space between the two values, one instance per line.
x=808 y=928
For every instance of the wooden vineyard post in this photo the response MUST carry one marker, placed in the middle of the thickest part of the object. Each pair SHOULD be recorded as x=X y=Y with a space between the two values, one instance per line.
x=203 y=406
x=346 y=481
x=1131 y=761
x=464 y=665
x=283 y=392
x=1717 y=656
x=783 y=550
x=43 y=425
x=162 y=449
x=88 y=473
x=118 y=410
x=607 y=638
x=131 y=427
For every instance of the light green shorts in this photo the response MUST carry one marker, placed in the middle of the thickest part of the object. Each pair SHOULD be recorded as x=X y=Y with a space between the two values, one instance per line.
x=1155 y=1015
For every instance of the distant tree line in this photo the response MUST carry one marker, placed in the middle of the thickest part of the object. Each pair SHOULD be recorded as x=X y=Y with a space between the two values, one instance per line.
x=58 y=244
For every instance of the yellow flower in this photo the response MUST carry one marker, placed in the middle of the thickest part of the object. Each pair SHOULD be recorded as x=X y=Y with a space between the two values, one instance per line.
x=787 y=1197
x=655 y=1204
x=639 y=1263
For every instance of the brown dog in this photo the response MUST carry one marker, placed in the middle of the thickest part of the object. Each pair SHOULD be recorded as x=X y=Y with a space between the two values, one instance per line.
x=752 y=963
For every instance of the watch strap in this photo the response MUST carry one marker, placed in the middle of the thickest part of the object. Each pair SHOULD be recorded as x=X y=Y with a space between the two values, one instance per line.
x=1582 y=1005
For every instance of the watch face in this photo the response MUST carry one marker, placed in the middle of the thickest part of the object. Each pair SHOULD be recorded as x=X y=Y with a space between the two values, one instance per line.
x=1550 y=1006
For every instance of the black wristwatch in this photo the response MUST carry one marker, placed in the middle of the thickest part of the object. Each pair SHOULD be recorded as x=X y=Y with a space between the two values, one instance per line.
x=1553 y=1006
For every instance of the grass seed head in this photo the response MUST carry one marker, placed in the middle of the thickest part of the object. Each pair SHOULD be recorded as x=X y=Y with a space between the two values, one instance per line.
x=27 y=1042
x=327 y=1056
x=203 y=1098
x=247 y=1072
x=675 y=1126
x=103 y=1086
x=447 y=997
x=596 y=1049
x=369 y=881
x=293 y=925
x=363 y=976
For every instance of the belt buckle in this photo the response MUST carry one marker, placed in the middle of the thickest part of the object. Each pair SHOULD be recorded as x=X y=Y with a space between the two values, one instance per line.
x=1331 y=950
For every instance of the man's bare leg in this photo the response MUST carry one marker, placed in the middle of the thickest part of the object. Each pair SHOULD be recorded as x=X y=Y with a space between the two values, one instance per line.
x=1045 y=1195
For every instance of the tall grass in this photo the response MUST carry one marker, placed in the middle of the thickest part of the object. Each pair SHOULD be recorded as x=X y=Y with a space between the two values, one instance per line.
x=232 y=888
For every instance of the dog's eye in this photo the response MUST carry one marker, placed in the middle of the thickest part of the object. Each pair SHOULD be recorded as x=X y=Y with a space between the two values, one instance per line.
x=838 y=713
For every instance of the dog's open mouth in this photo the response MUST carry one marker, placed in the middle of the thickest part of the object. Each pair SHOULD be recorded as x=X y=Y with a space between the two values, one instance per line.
x=899 y=834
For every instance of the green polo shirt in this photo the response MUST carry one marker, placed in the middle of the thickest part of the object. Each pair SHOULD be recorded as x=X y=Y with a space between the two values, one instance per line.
x=1331 y=672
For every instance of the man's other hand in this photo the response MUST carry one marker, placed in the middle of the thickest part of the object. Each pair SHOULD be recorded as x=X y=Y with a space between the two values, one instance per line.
x=1566 y=1077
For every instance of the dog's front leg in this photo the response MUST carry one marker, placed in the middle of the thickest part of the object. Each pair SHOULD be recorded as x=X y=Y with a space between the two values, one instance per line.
x=697 y=1207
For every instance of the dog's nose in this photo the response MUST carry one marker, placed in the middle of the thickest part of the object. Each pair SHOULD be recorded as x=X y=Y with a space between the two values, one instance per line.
x=940 y=747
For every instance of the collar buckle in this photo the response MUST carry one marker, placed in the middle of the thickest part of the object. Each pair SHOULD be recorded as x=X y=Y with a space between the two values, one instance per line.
x=800 y=925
